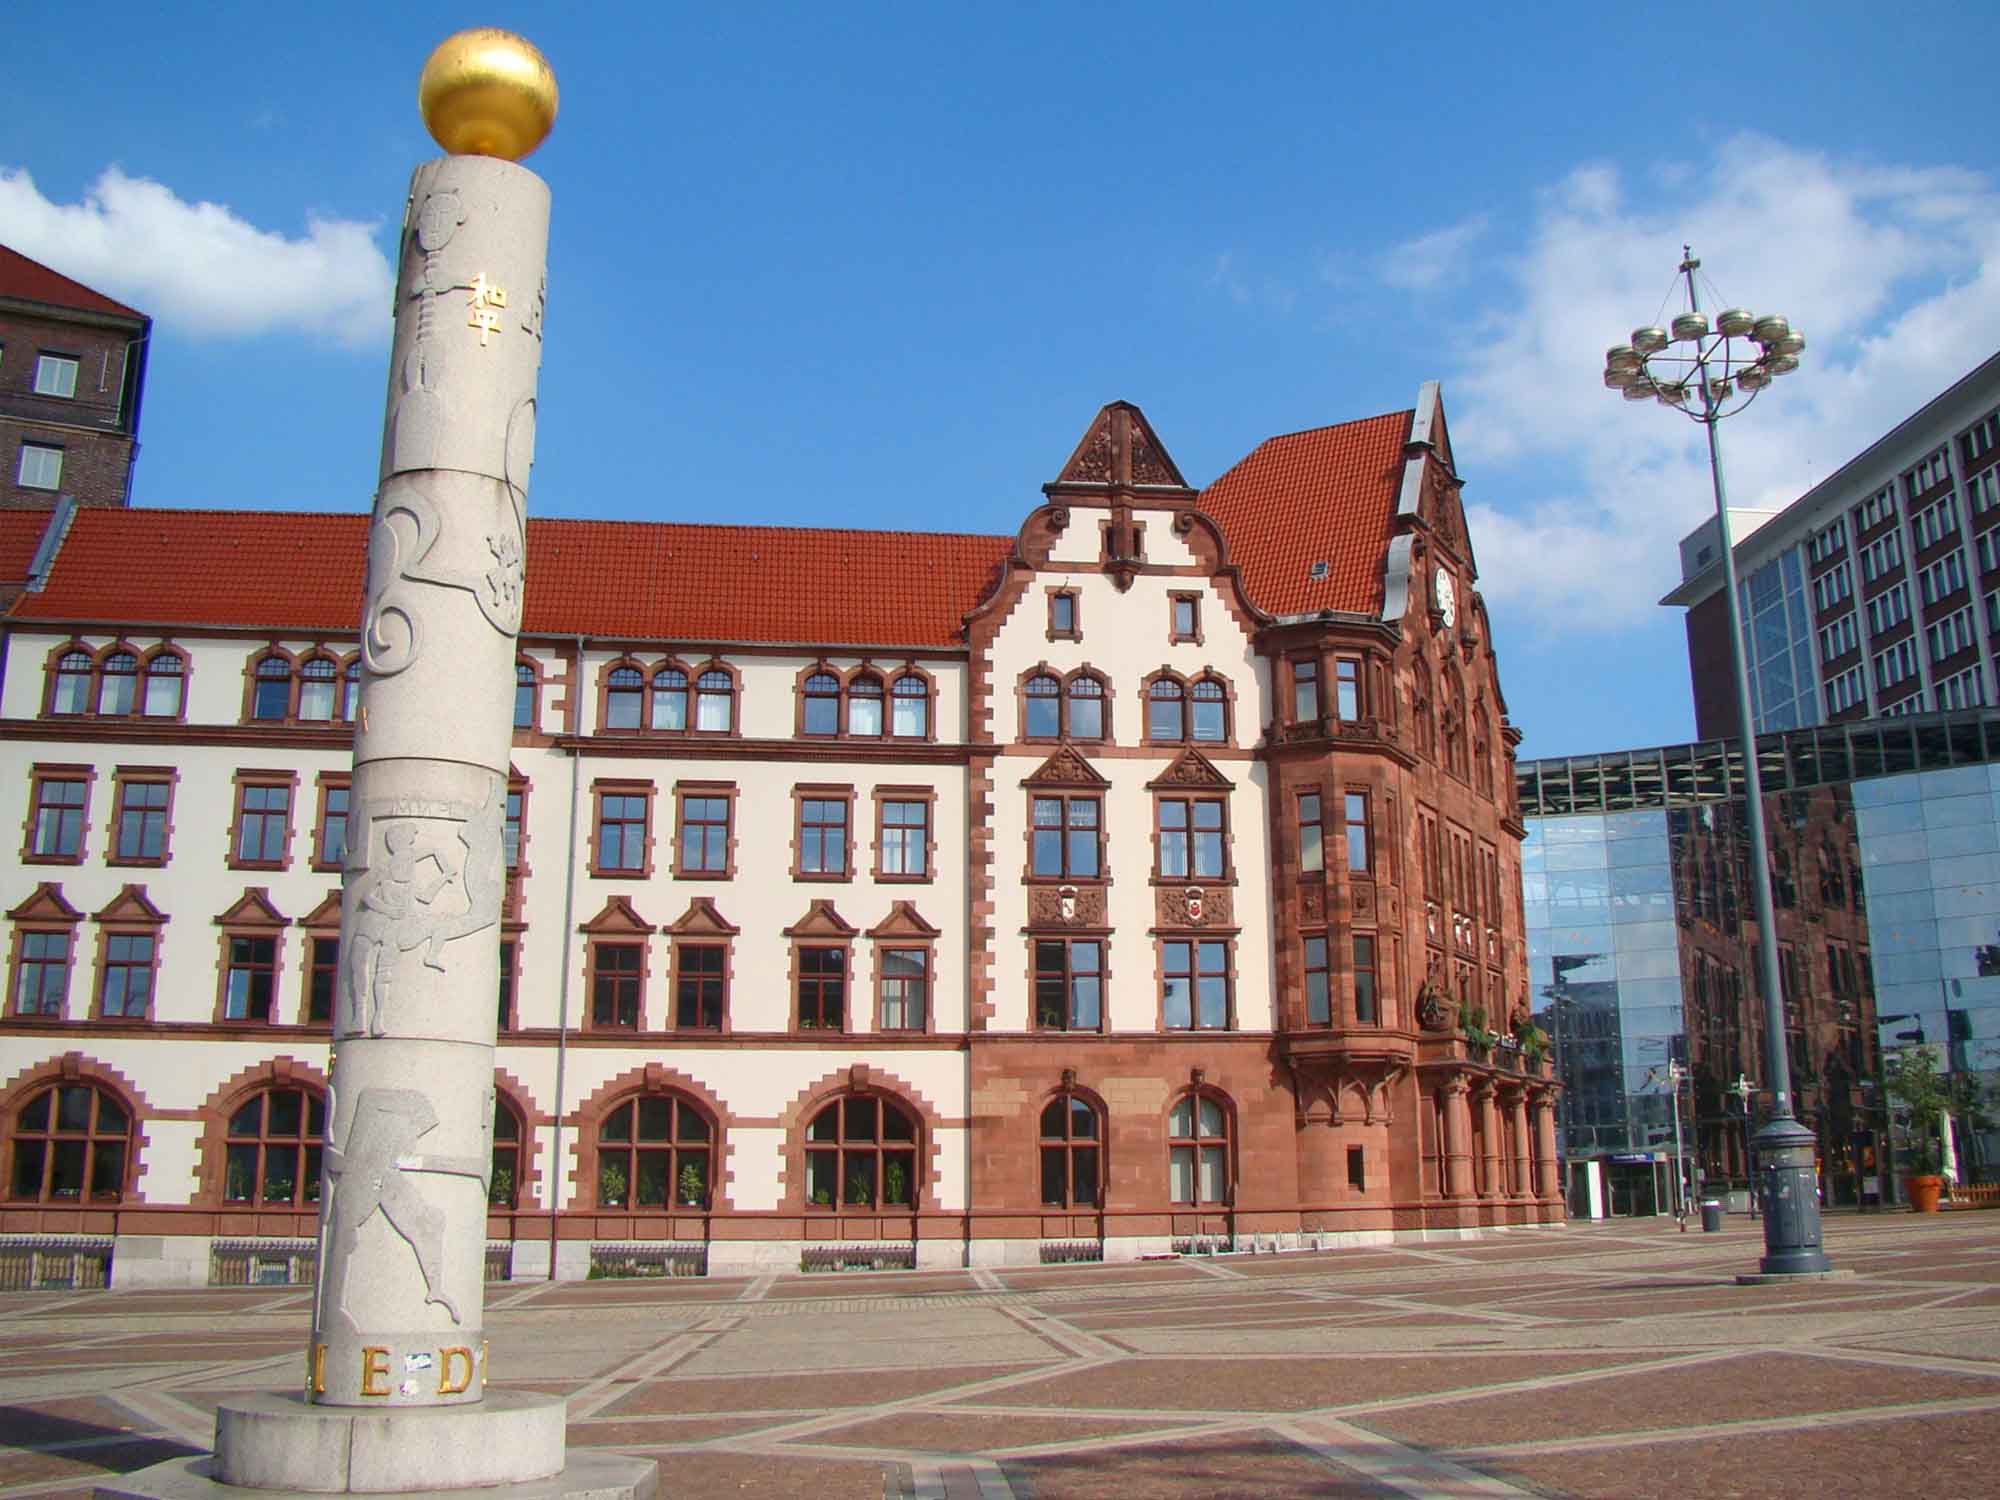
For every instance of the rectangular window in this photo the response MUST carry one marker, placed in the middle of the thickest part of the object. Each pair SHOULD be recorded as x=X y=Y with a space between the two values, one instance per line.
x=322 y=975
x=1360 y=843
x=906 y=988
x=251 y=980
x=1312 y=836
x=125 y=979
x=504 y=1019
x=1364 y=981
x=56 y=817
x=822 y=836
x=41 y=467
x=140 y=835
x=330 y=836
x=1347 y=687
x=1194 y=978
x=55 y=375
x=1305 y=691
x=41 y=974
x=1319 y=1006
x=699 y=986
x=621 y=831
x=615 y=980
x=822 y=989
x=1066 y=838
x=903 y=839
x=1069 y=984
x=1190 y=838
x=704 y=835
x=1063 y=616
x=263 y=823
x=1357 y=1168
x=1186 y=617
x=510 y=835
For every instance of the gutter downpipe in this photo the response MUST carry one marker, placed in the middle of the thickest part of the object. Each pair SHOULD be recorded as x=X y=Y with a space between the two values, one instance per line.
x=568 y=952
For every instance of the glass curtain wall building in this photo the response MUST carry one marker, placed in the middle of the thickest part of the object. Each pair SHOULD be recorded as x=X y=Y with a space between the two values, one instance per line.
x=1642 y=944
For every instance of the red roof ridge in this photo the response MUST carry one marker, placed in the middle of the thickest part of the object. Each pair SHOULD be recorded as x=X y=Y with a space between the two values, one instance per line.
x=31 y=281
x=1278 y=437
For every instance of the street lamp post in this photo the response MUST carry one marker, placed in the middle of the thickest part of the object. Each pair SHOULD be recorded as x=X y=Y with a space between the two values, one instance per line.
x=1707 y=373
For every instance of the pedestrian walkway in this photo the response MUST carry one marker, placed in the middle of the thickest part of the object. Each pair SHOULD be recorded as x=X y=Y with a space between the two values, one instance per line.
x=1614 y=1360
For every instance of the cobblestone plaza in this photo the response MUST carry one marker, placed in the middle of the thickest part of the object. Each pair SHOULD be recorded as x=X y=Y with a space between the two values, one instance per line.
x=1613 y=1360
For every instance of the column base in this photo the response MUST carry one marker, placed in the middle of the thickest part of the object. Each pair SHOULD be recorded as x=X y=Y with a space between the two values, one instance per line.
x=587 y=1476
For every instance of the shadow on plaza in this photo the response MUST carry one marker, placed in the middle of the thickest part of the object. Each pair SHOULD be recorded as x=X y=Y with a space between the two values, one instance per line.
x=116 y=1450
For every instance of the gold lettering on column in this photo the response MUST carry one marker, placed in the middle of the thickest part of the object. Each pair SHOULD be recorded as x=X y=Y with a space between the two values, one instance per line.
x=447 y=1386
x=316 y=1370
x=374 y=1366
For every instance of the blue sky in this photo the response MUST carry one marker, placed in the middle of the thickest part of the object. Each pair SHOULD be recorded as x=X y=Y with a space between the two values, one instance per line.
x=878 y=265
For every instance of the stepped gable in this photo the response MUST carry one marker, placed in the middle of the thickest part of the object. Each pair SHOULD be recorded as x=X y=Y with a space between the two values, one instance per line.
x=1324 y=495
x=27 y=280
x=305 y=570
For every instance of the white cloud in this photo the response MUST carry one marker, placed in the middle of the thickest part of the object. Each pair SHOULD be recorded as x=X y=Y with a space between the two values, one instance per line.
x=198 y=267
x=1892 y=272
x=1433 y=259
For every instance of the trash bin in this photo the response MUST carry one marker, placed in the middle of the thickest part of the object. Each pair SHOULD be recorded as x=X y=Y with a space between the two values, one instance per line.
x=1711 y=1216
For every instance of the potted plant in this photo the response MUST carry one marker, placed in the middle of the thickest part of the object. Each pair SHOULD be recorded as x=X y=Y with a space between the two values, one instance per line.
x=500 y=1193
x=1533 y=1040
x=1915 y=1083
x=611 y=1185
x=692 y=1189
x=1478 y=1039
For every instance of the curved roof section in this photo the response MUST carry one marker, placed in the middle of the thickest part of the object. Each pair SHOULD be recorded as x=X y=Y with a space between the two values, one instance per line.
x=1324 y=495
x=305 y=571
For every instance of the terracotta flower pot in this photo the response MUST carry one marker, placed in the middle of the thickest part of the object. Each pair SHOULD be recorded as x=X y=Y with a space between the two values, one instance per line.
x=1924 y=1190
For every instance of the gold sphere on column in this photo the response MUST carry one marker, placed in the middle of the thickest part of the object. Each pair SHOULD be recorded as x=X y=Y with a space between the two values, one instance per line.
x=487 y=92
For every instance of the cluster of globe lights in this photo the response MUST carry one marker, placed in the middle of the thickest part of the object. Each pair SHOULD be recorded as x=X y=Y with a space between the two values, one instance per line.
x=1717 y=367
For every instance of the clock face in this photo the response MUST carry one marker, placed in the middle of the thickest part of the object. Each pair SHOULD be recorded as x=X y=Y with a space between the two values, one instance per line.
x=1447 y=598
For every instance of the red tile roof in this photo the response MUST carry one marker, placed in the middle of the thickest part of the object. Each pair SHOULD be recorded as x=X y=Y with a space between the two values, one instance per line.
x=304 y=571
x=31 y=281
x=20 y=533
x=1327 y=494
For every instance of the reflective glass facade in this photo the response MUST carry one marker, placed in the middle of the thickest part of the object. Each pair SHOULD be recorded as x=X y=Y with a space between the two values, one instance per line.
x=1642 y=939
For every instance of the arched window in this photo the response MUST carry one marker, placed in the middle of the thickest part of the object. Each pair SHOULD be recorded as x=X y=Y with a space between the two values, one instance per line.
x=822 y=704
x=864 y=706
x=714 y=702
x=861 y=1152
x=1454 y=730
x=319 y=676
x=274 y=1146
x=1086 y=707
x=654 y=1150
x=503 y=1188
x=911 y=707
x=670 y=699
x=70 y=1144
x=1072 y=1153
x=1482 y=753
x=1043 y=711
x=1210 y=712
x=166 y=675
x=1422 y=710
x=1166 y=710
x=624 y=695
x=526 y=685
x=118 y=684
x=71 y=694
x=350 y=689
x=1198 y=1150
x=271 y=697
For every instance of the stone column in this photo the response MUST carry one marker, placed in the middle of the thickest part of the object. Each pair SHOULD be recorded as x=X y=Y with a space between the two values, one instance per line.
x=1457 y=1140
x=396 y=1320
x=1517 y=1110
x=1546 y=1185
x=1489 y=1126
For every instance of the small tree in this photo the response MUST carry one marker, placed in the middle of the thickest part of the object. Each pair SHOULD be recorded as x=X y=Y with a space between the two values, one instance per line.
x=693 y=1189
x=1932 y=1098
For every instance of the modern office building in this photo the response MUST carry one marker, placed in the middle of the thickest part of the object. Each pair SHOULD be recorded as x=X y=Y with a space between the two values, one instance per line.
x=1877 y=592
x=72 y=371
x=1884 y=839
x=1104 y=888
